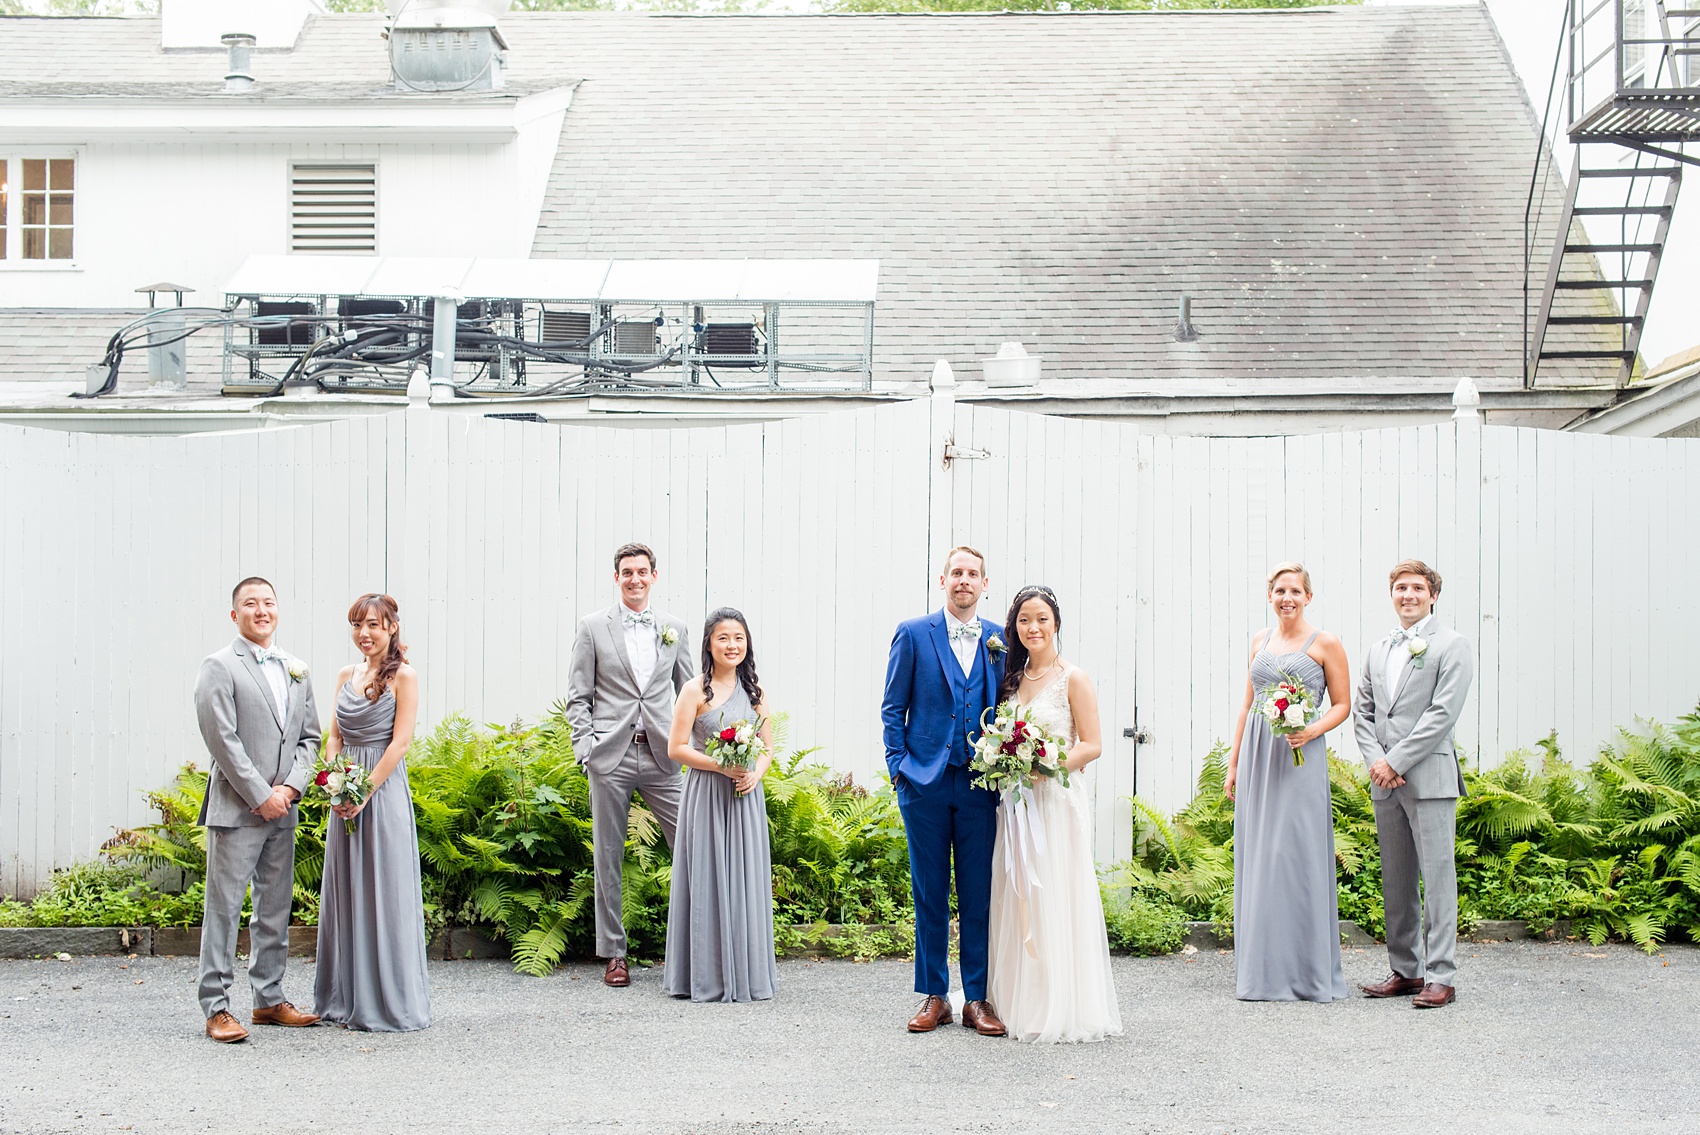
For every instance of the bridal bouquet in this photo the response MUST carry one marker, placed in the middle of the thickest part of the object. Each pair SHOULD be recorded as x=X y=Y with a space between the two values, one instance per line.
x=737 y=745
x=1288 y=707
x=343 y=782
x=1014 y=749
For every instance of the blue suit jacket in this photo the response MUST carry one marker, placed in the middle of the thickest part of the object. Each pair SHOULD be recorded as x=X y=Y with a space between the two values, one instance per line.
x=931 y=709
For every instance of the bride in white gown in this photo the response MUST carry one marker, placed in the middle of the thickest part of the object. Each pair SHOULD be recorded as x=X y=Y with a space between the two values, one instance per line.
x=1050 y=956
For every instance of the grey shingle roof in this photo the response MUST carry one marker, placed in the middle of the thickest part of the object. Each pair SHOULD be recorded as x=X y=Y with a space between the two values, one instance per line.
x=46 y=350
x=1340 y=190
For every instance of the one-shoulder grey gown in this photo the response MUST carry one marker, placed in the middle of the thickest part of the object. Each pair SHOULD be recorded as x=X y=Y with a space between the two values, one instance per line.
x=371 y=968
x=1286 y=900
x=720 y=914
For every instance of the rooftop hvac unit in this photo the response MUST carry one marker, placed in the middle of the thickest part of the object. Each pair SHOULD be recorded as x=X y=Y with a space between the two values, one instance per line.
x=634 y=337
x=732 y=339
x=353 y=309
x=569 y=327
x=284 y=334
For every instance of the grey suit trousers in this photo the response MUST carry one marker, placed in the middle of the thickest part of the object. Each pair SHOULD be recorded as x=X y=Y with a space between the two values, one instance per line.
x=265 y=856
x=1416 y=838
x=610 y=808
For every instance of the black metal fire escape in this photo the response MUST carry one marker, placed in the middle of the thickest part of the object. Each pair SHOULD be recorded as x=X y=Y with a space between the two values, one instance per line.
x=1631 y=96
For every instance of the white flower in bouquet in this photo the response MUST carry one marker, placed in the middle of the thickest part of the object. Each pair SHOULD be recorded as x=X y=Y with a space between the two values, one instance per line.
x=1295 y=715
x=333 y=784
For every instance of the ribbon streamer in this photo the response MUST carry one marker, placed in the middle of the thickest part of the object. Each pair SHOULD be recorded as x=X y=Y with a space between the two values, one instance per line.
x=1023 y=846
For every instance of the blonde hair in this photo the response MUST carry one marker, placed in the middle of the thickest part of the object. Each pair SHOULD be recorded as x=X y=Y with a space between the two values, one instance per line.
x=1290 y=566
x=975 y=552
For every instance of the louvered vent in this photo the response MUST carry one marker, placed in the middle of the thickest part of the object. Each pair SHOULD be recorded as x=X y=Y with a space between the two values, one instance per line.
x=333 y=208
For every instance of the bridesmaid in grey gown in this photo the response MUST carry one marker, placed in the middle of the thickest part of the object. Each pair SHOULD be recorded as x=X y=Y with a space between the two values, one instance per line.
x=371 y=966
x=720 y=917
x=1286 y=901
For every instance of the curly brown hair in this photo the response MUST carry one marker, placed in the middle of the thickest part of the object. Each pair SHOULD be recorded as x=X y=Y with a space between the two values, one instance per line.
x=386 y=609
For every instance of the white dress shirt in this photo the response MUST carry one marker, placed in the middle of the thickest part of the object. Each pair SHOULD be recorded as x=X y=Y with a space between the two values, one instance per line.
x=1400 y=656
x=640 y=646
x=276 y=677
x=965 y=648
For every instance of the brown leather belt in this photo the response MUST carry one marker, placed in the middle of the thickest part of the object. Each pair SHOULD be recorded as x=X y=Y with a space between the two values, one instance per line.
x=640 y=737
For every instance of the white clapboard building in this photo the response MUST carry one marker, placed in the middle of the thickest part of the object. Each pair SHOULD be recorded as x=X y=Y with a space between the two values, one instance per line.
x=1323 y=229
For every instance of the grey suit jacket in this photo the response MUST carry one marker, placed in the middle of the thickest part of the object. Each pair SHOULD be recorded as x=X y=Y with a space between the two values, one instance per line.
x=1412 y=725
x=255 y=744
x=604 y=704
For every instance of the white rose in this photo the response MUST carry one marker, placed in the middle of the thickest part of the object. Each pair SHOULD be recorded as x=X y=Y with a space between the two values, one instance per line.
x=1417 y=646
x=1273 y=714
x=333 y=784
x=1295 y=715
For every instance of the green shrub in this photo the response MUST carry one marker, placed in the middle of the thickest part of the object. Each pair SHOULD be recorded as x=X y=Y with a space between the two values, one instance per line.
x=1143 y=924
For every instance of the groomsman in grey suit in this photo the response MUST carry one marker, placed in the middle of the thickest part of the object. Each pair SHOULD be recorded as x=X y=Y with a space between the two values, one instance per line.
x=255 y=708
x=629 y=662
x=1408 y=699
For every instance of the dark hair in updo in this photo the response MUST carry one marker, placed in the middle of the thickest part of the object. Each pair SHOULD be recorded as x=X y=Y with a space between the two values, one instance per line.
x=1015 y=661
x=746 y=668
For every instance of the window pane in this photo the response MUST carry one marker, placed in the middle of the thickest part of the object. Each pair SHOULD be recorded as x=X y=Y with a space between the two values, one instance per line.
x=59 y=244
x=35 y=244
x=63 y=173
x=35 y=208
x=35 y=173
x=2 y=242
x=60 y=210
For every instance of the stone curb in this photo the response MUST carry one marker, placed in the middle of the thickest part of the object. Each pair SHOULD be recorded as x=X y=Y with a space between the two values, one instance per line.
x=462 y=942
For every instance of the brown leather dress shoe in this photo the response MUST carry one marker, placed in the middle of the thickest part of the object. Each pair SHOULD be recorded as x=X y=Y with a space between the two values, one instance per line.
x=285 y=1014
x=225 y=1029
x=618 y=974
x=934 y=1011
x=978 y=1015
x=1394 y=986
x=1433 y=996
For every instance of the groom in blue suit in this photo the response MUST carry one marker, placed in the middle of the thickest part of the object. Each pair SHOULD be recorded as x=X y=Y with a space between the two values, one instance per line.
x=943 y=674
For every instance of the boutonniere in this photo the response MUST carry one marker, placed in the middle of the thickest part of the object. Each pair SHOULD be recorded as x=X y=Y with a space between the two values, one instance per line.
x=995 y=646
x=297 y=670
x=1416 y=646
x=669 y=636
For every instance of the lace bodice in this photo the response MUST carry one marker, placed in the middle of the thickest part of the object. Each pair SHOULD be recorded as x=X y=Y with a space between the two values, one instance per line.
x=1050 y=708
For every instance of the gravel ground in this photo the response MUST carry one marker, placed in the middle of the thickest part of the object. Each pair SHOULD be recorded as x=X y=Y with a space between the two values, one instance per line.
x=1545 y=1036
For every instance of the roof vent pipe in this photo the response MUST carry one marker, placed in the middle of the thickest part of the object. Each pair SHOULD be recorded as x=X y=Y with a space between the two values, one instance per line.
x=1185 y=332
x=238 y=75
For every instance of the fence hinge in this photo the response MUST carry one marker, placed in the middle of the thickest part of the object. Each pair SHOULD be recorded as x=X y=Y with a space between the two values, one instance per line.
x=952 y=451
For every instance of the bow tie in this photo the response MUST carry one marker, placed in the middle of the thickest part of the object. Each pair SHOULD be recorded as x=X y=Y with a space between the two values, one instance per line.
x=1400 y=634
x=633 y=618
x=965 y=631
x=264 y=654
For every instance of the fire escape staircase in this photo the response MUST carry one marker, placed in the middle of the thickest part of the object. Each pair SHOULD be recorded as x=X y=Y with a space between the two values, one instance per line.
x=1634 y=103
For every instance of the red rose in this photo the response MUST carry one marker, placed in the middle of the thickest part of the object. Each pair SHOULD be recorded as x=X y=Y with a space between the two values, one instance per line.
x=1007 y=748
x=1019 y=731
x=322 y=778
x=1281 y=704
x=730 y=733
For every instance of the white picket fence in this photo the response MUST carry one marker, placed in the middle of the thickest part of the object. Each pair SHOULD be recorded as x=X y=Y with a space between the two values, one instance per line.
x=1563 y=557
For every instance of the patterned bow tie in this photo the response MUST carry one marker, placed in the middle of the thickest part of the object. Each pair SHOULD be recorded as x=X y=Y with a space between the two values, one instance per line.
x=264 y=654
x=965 y=631
x=633 y=618
x=1400 y=634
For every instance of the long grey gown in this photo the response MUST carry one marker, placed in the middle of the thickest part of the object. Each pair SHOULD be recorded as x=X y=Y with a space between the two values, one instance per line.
x=1286 y=901
x=720 y=914
x=371 y=968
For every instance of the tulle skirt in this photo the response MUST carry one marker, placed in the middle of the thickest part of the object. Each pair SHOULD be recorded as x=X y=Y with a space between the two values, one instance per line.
x=1049 y=964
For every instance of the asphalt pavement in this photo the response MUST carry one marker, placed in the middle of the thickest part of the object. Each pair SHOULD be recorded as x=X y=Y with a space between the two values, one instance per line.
x=1544 y=1037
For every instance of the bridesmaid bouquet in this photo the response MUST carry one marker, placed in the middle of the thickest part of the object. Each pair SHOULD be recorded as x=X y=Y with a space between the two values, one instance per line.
x=342 y=782
x=737 y=745
x=1014 y=749
x=1288 y=707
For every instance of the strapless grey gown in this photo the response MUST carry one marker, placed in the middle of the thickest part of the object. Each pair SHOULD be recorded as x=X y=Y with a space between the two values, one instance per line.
x=1286 y=900
x=371 y=968
x=720 y=916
